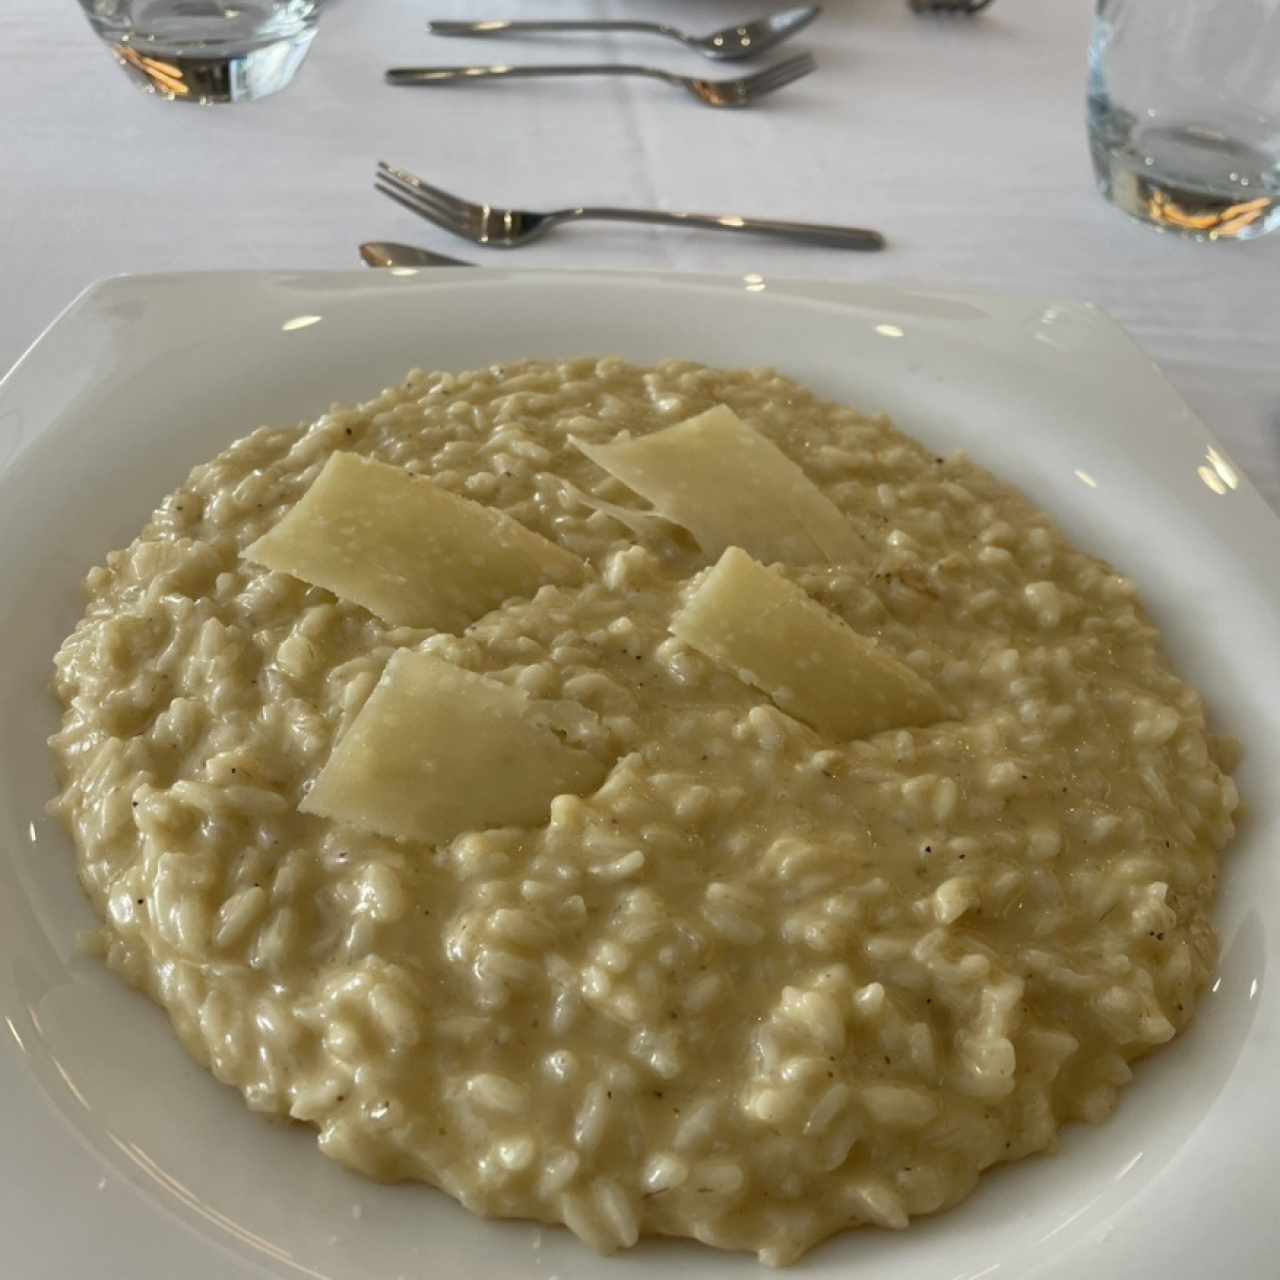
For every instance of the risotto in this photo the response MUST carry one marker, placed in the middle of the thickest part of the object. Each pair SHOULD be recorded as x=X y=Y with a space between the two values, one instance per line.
x=753 y=983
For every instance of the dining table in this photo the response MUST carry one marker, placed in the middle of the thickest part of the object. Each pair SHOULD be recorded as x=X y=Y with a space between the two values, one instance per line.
x=962 y=139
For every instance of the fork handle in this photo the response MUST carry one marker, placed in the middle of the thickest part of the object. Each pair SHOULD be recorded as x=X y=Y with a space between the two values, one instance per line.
x=448 y=75
x=834 y=237
x=501 y=27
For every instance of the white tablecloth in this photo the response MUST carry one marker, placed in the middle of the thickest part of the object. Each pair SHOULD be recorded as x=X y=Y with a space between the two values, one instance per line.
x=962 y=140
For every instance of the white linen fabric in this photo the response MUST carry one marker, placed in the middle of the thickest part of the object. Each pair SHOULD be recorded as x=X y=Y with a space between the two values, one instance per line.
x=963 y=140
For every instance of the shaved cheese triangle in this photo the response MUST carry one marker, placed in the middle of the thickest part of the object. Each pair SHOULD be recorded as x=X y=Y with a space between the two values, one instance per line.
x=729 y=486
x=771 y=634
x=437 y=750
x=407 y=550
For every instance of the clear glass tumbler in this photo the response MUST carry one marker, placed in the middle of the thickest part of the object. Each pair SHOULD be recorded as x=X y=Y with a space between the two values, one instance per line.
x=207 y=50
x=1184 y=113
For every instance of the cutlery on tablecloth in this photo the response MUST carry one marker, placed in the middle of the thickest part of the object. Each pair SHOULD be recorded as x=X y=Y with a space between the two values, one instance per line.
x=507 y=228
x=948 y=6
x=713 y=93
x=389 y=253
x=744 y=40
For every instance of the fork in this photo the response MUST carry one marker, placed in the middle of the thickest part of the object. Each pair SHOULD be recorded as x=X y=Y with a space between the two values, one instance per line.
x=714 y=93
x=948 y=6
x=508 y=228
x=743 y=40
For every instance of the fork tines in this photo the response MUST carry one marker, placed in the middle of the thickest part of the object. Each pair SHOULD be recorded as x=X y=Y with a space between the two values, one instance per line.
x=426 y=201
x=774 y=77
x=948 y=6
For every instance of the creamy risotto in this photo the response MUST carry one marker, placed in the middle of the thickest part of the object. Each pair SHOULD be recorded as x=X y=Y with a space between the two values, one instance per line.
x=758 y=984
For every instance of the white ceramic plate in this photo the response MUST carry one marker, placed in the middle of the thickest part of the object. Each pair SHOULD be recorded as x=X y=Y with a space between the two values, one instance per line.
x=119 y=1157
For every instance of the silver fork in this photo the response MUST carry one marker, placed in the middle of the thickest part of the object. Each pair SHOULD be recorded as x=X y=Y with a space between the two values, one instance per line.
x=948 y=6
x=508 y=228
x=714 y=93
x=744 y=40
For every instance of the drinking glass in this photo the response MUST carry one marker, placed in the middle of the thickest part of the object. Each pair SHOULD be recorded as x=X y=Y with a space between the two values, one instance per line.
x=207 y=50
x=1184 y=113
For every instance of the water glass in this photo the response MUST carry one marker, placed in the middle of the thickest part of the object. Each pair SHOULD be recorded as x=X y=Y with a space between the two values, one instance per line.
x=207 y=50
x=1184 y=113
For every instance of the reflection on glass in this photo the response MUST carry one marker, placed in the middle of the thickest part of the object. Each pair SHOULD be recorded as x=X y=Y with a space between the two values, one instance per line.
x=165 y=78
x=890 y=331
x=300 y=322
x=1230 y=222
